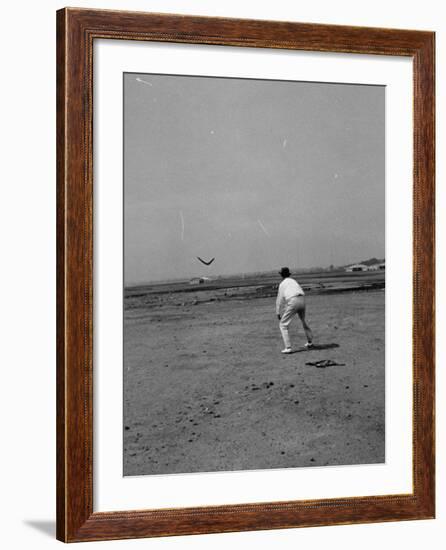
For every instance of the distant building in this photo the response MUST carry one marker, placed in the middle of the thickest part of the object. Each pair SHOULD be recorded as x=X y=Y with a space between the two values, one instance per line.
x=198 y=280
x=377 y=267
x=357 y=267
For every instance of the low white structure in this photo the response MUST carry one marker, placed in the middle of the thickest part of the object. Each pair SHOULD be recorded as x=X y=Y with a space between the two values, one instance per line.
x=357 y=267
x=377 y=267
x=199 y=280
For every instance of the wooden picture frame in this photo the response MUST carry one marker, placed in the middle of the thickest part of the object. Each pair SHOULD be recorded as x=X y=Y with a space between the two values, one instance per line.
x=76 y=31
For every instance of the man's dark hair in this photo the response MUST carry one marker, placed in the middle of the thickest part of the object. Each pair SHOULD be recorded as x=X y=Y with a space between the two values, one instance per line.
x=285 y=272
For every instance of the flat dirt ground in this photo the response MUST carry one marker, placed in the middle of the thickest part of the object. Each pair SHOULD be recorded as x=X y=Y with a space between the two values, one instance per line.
x=207 y=389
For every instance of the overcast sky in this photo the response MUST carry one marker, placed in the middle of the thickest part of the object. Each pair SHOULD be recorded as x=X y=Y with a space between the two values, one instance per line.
x=255 y=173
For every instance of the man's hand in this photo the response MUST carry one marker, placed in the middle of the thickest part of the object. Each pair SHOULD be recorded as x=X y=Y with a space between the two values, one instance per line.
x=279 y=316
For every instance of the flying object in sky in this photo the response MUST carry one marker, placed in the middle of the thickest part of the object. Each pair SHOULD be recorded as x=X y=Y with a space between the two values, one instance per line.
x=204 y=261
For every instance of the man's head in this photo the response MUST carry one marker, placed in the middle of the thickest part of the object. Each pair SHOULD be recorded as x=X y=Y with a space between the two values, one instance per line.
x=285 y=272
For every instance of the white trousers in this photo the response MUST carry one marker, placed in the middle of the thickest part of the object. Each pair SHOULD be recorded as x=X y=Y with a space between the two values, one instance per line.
x=293 y=307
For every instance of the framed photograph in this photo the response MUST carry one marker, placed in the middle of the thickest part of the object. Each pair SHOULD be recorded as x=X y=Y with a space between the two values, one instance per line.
x=245 y=276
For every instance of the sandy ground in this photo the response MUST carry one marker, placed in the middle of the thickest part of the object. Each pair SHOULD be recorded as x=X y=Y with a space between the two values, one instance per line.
x=207 y=389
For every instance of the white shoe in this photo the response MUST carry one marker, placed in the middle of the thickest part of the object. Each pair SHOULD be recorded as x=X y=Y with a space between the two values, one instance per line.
x=287 y=350
x=308 y=345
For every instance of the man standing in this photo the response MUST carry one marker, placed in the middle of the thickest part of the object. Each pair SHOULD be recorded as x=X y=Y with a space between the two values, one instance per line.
x=291 y=299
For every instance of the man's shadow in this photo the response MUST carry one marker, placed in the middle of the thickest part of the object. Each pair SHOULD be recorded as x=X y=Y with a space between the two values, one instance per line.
x=317 y=347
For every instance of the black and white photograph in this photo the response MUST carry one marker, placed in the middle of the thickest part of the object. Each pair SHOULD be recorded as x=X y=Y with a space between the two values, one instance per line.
x=223 y=226
x=254 y=274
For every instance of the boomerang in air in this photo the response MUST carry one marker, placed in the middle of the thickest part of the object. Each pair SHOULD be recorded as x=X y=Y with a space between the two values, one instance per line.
x=204 y=261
